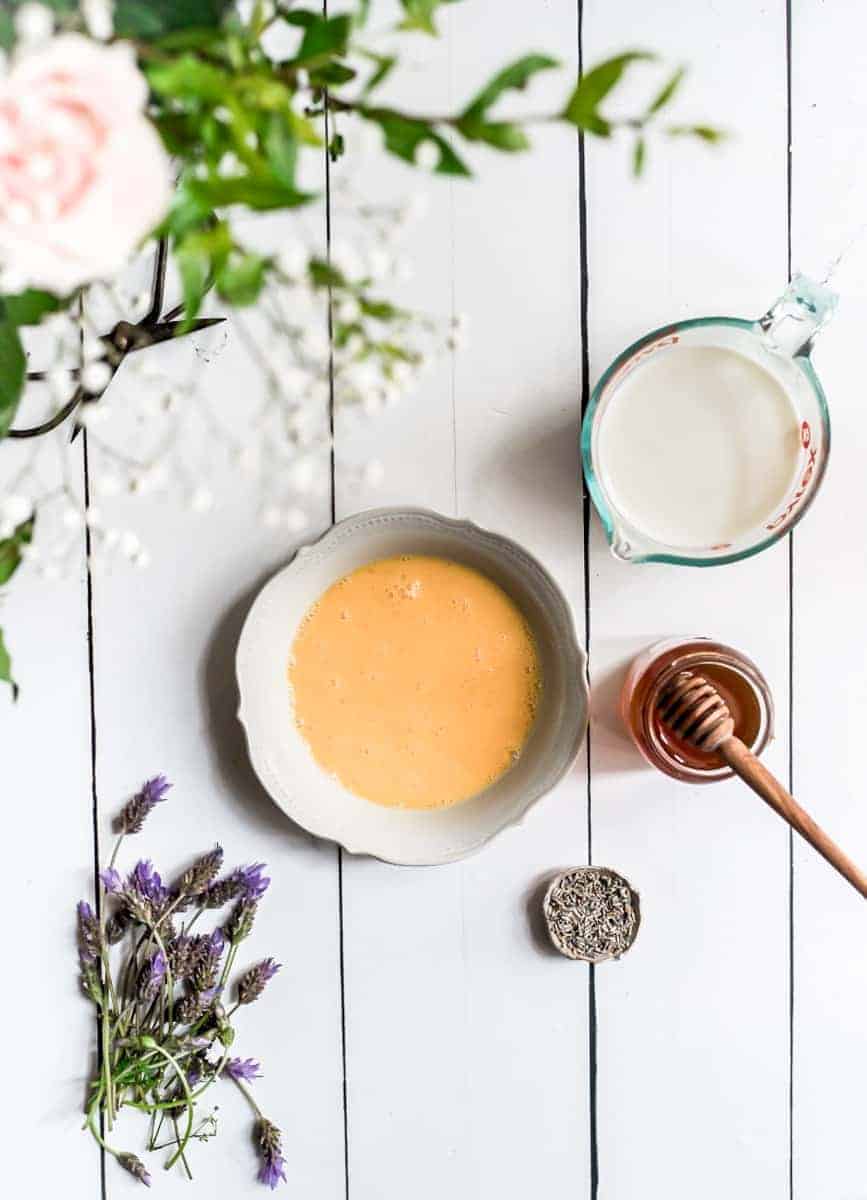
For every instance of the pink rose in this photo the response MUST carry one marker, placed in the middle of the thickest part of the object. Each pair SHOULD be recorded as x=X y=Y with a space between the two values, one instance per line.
x=83 y=174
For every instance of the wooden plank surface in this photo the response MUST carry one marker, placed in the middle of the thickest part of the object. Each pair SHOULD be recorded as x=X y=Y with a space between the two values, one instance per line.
x=466 y=1040
x=829 y=161
x=693 y=1024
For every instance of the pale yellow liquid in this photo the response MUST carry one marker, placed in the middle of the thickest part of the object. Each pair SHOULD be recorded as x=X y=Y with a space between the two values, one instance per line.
x=415 y=681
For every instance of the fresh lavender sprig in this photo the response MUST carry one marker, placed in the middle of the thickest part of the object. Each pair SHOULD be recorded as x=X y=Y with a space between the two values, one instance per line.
x=272 y=1170
x=135 y=812
x=165 y=1029
x=252 y=982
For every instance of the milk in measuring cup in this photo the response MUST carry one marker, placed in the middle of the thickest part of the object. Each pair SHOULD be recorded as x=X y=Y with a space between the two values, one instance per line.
x=698 y=445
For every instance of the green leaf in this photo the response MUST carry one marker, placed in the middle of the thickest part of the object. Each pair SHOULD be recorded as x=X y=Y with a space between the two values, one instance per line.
x=259 y=192
x=380 y=310
x=512 y=78
x=324 y=38
x=7 y=31
x=240 y=280
x=6 y=668
x=150 y=19
x=638 y=155
x=592 y=88
x=200 y=256
x=28 y=308
x=10 y=549
x=322 y=274
x=705 y=133
x=281 y=150
x=503 y=135
x=404 y=135
x=385 y=64
x=336 y=147
x=667 y=92
x=12 y=367
x=420 y=15
x=332 y=72
x=189 y=78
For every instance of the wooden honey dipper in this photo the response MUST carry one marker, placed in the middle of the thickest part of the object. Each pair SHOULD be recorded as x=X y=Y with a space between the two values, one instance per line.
x=692 y=708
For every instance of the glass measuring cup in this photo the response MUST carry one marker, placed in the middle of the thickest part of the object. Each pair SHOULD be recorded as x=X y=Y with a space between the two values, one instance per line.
x=780 y=342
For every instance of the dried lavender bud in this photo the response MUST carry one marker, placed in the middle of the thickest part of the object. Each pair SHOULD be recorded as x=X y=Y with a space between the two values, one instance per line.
x=136 y=810
x=246 y=882
x=117 y=925
x=252 y=982
x=144 y=894
x=204 y=871
x=209 y=951
x=135 y=1166
x=270 y=1141
x=243 y=1068
x=592 y=914
x=151 y=977
x=193 y=1006
x=240 y=923
x=89 y=939
x=182 y=956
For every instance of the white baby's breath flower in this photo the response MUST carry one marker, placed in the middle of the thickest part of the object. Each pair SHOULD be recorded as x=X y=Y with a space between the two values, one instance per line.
x=61 y=384
x=378 y=263
x=90 y=416
x=34 y=23
x=401 y=373
x=98 y=18
x=347 y=260
x=222 y=114
x=427 y=155
x=413 y=208
x=92 y=348
x=96 y=376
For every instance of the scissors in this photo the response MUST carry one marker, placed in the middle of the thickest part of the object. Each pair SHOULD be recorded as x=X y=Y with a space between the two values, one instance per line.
x=124 y=339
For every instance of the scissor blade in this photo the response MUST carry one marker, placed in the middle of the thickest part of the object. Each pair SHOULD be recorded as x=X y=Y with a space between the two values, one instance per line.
x=166 y=330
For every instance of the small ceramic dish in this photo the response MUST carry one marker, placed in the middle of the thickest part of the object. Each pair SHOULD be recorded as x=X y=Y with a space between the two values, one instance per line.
x=281 y=757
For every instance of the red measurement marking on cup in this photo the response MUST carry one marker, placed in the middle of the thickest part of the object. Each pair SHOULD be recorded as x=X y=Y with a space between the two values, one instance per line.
x=629 y=366
x=810 y=456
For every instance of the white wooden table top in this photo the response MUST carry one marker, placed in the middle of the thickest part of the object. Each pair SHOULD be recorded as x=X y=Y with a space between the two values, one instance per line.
x=420 y=1041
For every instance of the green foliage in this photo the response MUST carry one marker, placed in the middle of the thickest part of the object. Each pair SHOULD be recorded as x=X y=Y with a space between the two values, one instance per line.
x=28 y=308
x=150 y=19
x=667 y=91
x=241 y=278
x=582 y=108
x=324 y=38
x=12 y=368
x=10 y=549
x=515 y=77
x=6 y=667
x=420 y=14
x=403 y=136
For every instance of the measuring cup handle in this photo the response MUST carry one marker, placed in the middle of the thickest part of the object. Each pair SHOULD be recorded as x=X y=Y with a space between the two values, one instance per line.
x=791 y=323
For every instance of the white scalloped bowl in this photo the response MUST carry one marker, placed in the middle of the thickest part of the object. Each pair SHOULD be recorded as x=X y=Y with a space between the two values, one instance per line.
x=281 y=757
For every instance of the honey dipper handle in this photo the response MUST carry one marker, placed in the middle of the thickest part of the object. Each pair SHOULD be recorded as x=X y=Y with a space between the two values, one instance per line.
x=760 y=779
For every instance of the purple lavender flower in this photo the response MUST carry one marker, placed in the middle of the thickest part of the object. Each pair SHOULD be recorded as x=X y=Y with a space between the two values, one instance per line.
x=135 y=1166
x=270 y=1141
x=111 y=880
x=151 y=977
x=243 y=1068
x=88 y=934
x=136 y=810
x=252 y=982
x=253 y=884
x=147 y=881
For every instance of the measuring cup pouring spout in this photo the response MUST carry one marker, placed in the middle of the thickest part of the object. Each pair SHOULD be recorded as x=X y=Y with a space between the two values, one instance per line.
x=792 y=322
